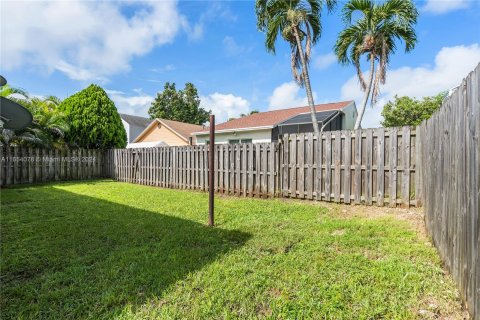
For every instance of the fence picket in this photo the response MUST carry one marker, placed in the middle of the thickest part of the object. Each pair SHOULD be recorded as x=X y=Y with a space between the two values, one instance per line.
x=380 y=166
x=337 y=165
x=328 y=164
x=406 y=167
x=347 y=160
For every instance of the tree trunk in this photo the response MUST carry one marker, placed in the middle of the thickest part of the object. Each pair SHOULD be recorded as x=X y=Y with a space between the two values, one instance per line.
x=367 y=93
x=306 y=81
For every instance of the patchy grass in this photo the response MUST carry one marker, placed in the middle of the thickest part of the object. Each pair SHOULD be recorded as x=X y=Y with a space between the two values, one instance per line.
x=105 y=249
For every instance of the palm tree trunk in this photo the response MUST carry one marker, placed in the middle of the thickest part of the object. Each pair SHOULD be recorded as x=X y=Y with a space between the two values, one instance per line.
x=306 y=81
x=367 y=93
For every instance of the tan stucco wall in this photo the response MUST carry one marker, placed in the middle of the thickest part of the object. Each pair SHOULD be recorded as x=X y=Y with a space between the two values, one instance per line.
x=163 y=134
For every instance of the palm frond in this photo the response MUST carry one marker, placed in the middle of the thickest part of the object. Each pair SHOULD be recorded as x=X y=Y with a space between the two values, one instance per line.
x=365 y=7
x=295 y=64
x=361 y=78
x=7 y=91
x=400 y=11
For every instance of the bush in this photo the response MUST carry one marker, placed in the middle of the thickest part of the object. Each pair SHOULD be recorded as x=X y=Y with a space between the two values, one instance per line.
x=406 y=111
x=94 y=120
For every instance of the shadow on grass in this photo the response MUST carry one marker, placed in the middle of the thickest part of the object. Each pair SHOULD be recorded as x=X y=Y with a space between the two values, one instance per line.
x=65 y=255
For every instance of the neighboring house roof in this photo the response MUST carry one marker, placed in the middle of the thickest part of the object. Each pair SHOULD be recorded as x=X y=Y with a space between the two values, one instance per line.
x=269 y=119
x=303 y=118
x=136 y=120
x=181 y=129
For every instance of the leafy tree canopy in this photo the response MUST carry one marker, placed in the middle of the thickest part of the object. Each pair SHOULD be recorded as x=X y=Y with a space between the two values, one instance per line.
x=94 y=120
x=406 y=111
x=182 y=105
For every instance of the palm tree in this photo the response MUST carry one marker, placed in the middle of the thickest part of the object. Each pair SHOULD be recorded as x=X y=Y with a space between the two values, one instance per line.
x=8 y=136
x=48 y=127
x=298 y=22
x=8 y=91
x=49 y=122
x=27 y=136
x=374 y=35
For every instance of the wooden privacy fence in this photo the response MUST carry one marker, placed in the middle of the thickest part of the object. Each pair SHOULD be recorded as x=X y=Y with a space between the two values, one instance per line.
x=28 y=165
x=363 y=166
x=241 y=169
x=449 y=152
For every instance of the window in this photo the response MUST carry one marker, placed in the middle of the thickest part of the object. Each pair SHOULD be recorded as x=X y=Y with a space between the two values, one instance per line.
x=236 y=141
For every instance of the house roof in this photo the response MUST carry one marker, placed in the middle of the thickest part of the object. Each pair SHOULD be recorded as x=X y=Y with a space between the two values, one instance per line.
x=136 y=120
x=269 y=119
x=303 y=118
x=181 y=129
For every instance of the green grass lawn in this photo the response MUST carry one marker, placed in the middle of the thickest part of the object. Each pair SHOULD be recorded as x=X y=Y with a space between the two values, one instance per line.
x=106 y=249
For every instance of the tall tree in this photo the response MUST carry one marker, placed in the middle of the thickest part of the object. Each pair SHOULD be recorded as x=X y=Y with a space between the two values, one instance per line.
x=182 y=105
x=94 y=120
x=298 y=21
x=49 y=124
x=406 y=111
x=373 y=35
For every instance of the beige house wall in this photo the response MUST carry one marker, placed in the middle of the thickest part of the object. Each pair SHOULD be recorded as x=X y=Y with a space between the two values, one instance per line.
x=160 y=132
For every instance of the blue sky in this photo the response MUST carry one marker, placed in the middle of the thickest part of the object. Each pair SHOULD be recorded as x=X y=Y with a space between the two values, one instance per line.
x=132 y=48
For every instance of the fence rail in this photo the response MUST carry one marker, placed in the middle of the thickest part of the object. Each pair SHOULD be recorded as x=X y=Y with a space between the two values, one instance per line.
x=21 y=165
x=449 y=150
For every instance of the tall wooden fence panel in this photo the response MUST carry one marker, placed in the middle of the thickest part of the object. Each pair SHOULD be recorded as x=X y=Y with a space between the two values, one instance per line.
x=370 y=166
x=20 y=165
x=240 y=169
x=449 y=153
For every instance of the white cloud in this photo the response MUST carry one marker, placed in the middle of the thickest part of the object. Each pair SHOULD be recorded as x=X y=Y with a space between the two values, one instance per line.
x=444 y=6
x=288 y=95
x=232 y=48
x=215 y=11
x=86 y=40
x=324 y=61
x=131 y=104
x=452 y=64
x=77 y=73
x=164 y=69
x=225 y=106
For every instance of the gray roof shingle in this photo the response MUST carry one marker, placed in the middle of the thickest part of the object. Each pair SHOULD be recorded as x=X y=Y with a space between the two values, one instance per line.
x=136 y=120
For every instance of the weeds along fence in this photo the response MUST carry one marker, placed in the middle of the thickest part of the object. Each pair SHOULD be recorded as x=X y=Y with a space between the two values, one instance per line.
x=449 y=150
x=28 y=165
x=372 y=166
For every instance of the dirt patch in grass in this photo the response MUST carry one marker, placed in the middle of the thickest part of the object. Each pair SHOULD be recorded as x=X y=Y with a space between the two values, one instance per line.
x=414 y=216
x=430 y=308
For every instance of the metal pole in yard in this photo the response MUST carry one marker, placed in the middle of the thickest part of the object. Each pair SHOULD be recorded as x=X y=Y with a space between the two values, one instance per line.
x=211 y=175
